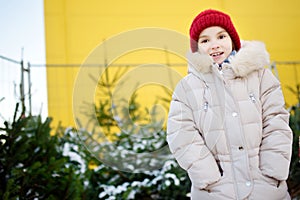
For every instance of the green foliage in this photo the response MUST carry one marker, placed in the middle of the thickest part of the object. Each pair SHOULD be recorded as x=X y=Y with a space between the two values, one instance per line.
x=137 y=163
x=32 y=165
x=294 y=178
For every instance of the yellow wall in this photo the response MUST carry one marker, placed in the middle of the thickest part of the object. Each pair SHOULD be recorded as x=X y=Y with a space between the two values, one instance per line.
x=74 y=28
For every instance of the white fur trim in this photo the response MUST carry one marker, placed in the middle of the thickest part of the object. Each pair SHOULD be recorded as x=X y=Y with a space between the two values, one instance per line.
x=200 y=62
x=251 y=57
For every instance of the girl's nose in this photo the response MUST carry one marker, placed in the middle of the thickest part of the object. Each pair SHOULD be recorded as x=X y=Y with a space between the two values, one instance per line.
x=214 y=45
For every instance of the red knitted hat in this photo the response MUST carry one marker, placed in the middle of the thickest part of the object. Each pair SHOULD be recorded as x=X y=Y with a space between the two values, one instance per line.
x=210 y=18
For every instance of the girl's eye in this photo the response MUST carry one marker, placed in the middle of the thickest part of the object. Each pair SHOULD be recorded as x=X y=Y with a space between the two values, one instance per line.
x=204 y=41
x=222 y=36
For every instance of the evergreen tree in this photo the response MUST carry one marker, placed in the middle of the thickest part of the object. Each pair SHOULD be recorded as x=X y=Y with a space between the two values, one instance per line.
x=130 y=155
x=32 y=164
x=294 y=177
x=124 y=168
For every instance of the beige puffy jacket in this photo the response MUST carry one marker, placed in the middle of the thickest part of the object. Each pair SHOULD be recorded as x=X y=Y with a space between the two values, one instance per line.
x=229 y=129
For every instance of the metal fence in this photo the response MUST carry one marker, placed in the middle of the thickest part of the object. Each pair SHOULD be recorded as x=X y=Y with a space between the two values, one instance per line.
x=17 y=86
x=10 y=83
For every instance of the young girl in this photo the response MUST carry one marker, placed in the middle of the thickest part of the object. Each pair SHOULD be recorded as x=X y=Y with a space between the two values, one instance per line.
x=227 y=125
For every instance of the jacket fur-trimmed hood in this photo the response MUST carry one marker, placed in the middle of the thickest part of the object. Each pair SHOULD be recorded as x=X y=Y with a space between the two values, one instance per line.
x=251 y=57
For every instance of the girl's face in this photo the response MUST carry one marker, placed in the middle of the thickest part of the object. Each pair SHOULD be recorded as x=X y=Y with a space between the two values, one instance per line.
x=216 y=42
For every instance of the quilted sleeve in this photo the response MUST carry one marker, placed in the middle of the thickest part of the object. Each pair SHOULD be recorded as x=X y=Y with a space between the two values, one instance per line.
x=276 y=146
x=186 y=143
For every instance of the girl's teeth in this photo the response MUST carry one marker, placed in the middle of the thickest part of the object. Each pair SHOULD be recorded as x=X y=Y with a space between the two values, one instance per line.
x=216 y=54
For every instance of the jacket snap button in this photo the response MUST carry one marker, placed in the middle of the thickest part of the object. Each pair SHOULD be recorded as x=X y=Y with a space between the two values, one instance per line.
x=241 y=148
x=234 y=114
x=248 y=183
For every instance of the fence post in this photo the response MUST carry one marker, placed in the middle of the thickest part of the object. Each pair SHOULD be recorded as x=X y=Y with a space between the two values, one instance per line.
x=22 y=94
x=29 y=87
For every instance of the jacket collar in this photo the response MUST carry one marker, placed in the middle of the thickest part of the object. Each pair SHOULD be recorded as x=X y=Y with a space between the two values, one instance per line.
x=251 y=57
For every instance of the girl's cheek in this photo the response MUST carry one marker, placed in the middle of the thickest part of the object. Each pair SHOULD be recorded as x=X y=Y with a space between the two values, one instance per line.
x=202 y=48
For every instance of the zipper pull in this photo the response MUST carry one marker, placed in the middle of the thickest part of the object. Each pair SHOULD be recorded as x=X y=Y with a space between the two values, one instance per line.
x=252 y=97
x=205 y=106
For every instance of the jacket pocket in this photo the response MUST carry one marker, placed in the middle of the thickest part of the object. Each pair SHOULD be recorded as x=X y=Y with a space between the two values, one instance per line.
x=219 y=185
x=259 y=176
x=270 y=180
x=266 y=187
x=223 y=189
